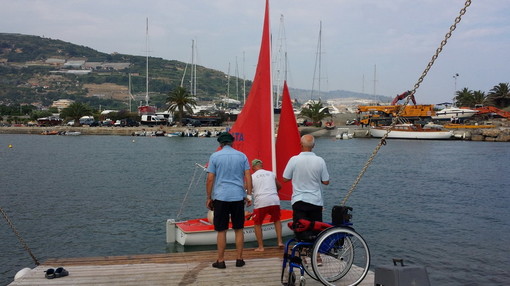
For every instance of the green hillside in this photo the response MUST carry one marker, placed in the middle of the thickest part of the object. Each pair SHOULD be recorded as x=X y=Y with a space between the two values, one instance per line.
x=37 y=71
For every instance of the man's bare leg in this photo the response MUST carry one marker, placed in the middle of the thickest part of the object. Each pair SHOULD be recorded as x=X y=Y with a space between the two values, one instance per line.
x=260 y=239
x=278 y=229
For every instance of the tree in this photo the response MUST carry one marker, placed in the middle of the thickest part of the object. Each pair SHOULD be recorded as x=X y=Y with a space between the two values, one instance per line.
x=75 y=111
x=464 y=97
x=499 y=95
x=315 y=111
x=479 y=97
x=180 y=100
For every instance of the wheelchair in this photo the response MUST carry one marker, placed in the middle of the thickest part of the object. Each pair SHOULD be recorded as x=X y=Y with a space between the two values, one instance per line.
x=333 y=254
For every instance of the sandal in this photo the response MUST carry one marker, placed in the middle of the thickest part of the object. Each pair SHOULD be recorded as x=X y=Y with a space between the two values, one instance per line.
x=61 y=272
x=50 y=273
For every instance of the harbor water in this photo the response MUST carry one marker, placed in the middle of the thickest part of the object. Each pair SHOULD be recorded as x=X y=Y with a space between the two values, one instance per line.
x=441 y=204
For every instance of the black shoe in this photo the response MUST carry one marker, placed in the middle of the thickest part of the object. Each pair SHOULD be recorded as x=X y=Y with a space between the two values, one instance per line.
x=61 y=272
x=220 y=265
x=50 y=273
x=240 y=263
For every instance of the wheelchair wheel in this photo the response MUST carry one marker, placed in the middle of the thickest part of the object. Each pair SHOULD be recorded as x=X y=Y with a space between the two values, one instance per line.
x=340 y=253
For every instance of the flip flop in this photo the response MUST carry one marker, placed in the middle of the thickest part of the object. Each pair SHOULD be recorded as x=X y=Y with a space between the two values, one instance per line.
x=50 y=273
x=61 y=272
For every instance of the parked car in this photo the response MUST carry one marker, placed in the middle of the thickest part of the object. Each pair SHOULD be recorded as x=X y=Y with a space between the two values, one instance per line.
x=127 y=122
x=191 y=122
x=107 y=122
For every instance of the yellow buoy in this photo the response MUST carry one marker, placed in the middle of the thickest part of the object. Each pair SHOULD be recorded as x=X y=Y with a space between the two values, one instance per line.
x=10 y=146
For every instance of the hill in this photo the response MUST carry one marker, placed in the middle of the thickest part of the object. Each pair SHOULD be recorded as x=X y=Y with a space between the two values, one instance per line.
x=37 y=71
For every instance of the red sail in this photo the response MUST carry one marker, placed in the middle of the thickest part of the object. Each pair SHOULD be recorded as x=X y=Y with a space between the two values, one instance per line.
x=253 y=130
x=287 y=142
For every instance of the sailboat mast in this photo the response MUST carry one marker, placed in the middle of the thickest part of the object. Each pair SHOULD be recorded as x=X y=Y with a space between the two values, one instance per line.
x=147 y=62
x=244 y=81
x=193 y=87
x=273 y=141
x=320 y=58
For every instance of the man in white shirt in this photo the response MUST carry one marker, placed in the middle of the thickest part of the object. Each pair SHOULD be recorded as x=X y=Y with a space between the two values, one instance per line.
x=308 y=173
x=265 y=201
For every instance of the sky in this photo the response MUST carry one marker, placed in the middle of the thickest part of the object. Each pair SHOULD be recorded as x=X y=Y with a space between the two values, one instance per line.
x=372 y=46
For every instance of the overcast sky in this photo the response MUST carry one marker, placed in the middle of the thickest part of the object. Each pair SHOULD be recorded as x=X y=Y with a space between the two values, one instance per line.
x=391 y=39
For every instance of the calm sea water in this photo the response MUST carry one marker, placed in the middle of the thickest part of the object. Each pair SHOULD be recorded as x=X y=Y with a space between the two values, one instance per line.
x=442 y=204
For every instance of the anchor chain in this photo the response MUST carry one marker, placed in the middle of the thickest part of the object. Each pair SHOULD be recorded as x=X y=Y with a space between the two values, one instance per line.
x=401 y=110
x=18 y=235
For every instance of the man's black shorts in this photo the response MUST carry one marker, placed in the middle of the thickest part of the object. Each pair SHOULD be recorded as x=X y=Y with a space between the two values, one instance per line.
x=224 y=211
x=302 y=210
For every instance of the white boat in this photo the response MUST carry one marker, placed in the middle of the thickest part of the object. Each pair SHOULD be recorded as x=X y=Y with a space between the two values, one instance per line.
x=201 y=231
x=454 y=112
x=255 y=137
x=410 y=131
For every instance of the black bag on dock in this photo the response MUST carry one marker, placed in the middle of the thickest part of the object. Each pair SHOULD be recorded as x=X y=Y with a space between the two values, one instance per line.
x=401 y=275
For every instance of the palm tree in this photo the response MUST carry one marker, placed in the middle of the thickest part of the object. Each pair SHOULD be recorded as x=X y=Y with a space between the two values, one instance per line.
x=464 y=97
x=315 y=111
x=499 y=95
x=75 y=111
x=180 y=99
x=479 y=97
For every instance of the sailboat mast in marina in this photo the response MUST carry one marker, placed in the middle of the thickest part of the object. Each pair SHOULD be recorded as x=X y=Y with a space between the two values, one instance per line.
x=146 y=109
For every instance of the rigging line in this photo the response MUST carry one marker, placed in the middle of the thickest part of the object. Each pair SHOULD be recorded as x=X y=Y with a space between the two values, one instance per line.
x=193 y=184
x=18 y=235
x=401 y=109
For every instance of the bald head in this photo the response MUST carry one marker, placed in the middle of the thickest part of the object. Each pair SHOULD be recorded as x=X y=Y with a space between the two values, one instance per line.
x=307 y=142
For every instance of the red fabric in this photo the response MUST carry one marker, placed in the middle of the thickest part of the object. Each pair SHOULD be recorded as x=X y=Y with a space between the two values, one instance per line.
x=260 y=213
x=253 y=130
x=304 y=225
x=288 y=142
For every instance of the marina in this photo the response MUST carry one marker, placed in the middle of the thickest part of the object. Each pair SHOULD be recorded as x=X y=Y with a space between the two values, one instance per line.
x=99 y=204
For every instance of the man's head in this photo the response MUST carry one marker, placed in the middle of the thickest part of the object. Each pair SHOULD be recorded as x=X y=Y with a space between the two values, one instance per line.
x=256 y=164
x=225 y=138
x=307 y=142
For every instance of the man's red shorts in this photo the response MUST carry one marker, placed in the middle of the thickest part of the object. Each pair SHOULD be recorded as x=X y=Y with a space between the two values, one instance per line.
x=260 y=213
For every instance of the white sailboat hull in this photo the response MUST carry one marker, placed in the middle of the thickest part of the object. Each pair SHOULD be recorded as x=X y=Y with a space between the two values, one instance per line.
x=397 y=134
x=176 y=234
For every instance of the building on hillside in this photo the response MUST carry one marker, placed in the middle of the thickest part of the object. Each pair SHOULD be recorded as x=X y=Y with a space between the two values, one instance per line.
x=62 y=103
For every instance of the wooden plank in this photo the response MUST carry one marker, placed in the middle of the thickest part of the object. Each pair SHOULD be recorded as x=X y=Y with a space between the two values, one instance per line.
x=189 y=268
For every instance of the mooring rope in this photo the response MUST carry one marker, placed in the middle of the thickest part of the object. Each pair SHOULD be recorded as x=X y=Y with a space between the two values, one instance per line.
x=411 y=94
x=18 y=235
x=193 y=184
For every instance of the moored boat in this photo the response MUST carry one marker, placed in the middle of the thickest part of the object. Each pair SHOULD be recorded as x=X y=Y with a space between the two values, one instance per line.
x=254 y=136
x=410 y=131
x=201 y=231
x=454 y=112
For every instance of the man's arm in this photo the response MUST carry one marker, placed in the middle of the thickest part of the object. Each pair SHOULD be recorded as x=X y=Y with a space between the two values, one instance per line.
x=278 y=185
x=209 y=187
x=248 y=185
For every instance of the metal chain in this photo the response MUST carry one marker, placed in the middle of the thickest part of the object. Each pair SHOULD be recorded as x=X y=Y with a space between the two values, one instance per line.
x=401 y=109
x=19 y=237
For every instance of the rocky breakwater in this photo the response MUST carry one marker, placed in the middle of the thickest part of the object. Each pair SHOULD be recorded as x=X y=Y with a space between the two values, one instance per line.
x=501 y=134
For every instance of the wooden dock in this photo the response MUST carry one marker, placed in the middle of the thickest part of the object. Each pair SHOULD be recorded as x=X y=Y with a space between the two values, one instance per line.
x=183 y=268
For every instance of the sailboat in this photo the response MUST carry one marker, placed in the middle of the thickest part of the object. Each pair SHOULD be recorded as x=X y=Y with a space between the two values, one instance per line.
x=254 y=134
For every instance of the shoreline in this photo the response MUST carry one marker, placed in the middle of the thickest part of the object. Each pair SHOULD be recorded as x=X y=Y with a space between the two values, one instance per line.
x=497 y=134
